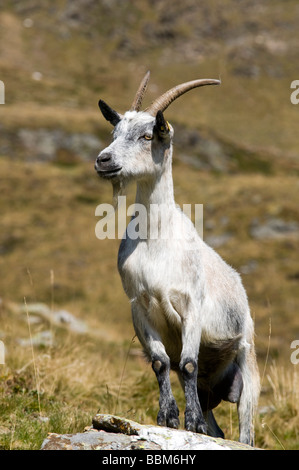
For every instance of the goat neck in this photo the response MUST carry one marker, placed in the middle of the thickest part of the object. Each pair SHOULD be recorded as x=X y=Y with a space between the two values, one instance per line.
x=158 y=191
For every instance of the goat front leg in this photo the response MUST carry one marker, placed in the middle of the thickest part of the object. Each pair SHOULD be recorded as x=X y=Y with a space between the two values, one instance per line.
x=154 y=349
x=168 y=413
x=194 y=419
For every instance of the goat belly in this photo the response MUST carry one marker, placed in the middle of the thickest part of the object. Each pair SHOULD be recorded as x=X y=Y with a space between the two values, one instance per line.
x=219 y=376
x=229 y=388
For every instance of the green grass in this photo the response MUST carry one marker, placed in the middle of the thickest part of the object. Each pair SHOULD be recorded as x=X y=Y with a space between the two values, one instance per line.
x=24 y=427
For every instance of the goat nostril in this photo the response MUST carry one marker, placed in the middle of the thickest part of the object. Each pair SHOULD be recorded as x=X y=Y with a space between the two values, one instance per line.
x=105 y=158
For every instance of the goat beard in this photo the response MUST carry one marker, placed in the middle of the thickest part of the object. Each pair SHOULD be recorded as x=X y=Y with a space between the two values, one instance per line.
x=119 y=188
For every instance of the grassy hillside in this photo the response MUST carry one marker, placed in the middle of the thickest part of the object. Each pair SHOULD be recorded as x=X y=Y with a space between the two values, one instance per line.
x=236 y=152
x=62 y=56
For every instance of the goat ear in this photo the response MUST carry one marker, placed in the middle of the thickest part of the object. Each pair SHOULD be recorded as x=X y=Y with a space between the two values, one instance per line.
x=161 y=126
x=109 y=113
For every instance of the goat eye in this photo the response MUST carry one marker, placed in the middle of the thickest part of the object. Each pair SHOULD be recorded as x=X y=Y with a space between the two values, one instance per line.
x=147 y=137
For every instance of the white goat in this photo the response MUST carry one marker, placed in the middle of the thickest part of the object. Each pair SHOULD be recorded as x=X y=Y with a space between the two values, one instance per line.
x=189 y=308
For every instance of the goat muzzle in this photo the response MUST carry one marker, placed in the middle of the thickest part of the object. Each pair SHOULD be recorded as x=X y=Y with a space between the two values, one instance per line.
x=105 y=167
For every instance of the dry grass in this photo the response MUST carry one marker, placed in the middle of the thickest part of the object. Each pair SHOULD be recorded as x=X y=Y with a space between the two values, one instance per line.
x=48 y=249
x=278 y=426
x=51 y=255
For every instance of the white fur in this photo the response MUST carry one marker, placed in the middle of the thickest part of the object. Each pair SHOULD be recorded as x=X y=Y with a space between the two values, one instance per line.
x=183 y=295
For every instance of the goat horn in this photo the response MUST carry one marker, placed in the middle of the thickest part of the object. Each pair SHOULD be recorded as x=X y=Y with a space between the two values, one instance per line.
x=136 y=105
x=161 y=103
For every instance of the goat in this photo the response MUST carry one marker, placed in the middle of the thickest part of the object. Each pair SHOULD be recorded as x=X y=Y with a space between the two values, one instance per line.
x=189 y=308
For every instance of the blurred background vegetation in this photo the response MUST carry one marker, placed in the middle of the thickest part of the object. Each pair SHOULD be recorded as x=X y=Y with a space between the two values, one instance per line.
x=64 y=319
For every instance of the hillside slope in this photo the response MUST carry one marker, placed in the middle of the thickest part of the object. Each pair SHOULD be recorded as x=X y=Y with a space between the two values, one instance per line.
x=236 y=152
x=58 y=57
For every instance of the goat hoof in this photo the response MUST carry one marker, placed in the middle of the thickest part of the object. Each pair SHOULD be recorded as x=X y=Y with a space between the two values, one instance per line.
x=194 y=423
x=169 y=421
x=169 y=417
x=173 y=423
x=202 y=428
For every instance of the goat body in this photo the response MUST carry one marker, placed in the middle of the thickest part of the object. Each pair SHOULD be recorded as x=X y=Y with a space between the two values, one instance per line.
x=189 y=308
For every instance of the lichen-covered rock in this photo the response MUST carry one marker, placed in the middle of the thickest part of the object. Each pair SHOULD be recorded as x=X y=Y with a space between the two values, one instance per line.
x=96 y=440
x=109 y=432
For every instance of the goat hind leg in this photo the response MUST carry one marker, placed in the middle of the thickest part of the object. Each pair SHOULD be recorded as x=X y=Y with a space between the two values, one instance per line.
x=249 y=396
x=213 y=429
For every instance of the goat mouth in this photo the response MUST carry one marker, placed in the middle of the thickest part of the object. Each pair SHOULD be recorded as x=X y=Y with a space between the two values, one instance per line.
x=109 y=173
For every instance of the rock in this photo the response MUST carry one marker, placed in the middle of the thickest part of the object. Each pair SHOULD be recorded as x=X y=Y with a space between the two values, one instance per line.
x=61 y=318
x=96 y=440
x=274 y=229
x=43 y=338
x=216 y=241
x=109 y=432
x=249 y=267
x=50 y=145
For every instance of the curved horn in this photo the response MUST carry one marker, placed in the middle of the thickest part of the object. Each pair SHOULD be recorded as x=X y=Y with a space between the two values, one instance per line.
x=136 y=105
x=161 y=103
